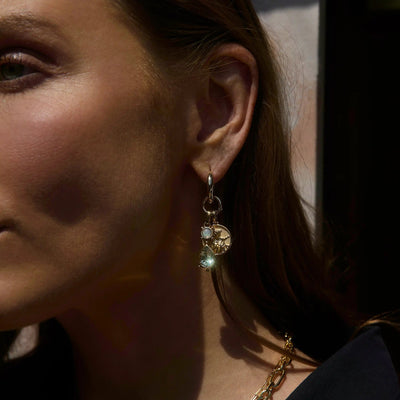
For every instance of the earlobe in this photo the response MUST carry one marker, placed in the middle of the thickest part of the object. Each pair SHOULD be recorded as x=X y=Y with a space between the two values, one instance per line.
x=225 y=108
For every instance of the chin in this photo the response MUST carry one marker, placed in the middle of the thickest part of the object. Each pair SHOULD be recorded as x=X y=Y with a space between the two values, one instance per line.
x=22 y=304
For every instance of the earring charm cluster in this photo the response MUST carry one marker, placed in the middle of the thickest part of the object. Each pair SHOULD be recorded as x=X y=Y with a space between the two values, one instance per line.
x=216 y=238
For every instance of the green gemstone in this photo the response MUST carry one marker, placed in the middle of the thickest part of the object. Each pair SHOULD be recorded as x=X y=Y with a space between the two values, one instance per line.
x=207 y=258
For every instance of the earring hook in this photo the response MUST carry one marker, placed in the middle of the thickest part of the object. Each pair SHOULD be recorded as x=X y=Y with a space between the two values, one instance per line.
x=210 y=184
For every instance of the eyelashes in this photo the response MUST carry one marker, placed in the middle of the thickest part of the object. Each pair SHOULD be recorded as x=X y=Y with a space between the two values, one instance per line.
x=20 y=71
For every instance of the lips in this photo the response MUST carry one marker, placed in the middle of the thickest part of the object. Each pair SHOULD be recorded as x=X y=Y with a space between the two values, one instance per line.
x=5 y=225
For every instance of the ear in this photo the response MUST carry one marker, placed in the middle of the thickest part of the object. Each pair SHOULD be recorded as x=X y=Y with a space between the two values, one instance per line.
x=224 y=109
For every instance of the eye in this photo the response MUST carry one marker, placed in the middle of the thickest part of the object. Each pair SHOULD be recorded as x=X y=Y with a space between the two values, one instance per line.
x=20 y=71
x=12 y=71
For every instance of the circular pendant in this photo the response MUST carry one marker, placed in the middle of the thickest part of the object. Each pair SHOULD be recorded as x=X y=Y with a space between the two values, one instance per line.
x=217 y=237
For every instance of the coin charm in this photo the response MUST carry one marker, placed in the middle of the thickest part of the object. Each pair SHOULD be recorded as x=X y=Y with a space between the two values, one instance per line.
x=222 y=239
x=217 y=237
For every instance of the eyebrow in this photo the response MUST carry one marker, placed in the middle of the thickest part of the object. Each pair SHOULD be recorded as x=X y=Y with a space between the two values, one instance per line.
x=27 y=22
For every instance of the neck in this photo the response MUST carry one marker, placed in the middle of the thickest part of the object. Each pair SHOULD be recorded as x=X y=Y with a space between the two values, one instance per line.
x=145 y=347
x=140 y=346
x=165 y=335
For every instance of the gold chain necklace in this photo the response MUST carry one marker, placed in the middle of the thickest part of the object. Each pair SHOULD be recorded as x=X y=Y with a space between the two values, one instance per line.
x=275 y=379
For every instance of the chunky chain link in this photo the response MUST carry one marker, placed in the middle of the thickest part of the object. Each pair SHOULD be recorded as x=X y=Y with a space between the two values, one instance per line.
x=277 y=375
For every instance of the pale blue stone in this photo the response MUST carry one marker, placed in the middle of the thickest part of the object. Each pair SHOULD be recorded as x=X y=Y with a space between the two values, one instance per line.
x=206 y=233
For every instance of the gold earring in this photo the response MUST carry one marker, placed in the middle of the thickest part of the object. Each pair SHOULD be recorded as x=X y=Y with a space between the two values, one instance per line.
x=216 y=238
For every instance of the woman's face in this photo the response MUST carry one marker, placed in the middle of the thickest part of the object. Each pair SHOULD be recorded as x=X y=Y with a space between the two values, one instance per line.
x=86 y=160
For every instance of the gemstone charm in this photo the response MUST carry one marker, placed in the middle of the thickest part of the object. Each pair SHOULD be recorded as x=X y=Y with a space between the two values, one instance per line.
x=206 y=233
x=207 y=258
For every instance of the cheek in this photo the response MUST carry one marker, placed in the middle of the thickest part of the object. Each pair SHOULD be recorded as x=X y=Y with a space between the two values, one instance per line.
x=67 y=155
x=87 y=173
x=41 y=161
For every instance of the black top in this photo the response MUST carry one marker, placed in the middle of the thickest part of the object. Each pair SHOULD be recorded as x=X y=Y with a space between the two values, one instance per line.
x=47 y=373
x=361 y=370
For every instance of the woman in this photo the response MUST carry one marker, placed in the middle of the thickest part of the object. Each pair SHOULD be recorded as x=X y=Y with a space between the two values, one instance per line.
x=126 y=126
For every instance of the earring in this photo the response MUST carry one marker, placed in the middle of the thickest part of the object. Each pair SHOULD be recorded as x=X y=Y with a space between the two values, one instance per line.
x=215 y=238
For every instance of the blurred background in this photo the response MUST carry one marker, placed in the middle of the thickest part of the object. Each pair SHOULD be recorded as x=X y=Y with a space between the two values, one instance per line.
x=294 y=28
x=343 y=83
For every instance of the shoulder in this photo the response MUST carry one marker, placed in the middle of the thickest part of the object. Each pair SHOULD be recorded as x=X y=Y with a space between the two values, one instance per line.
x=362 y=369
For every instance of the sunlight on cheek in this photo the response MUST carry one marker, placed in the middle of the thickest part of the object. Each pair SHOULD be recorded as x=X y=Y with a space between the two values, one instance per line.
x=87 y=150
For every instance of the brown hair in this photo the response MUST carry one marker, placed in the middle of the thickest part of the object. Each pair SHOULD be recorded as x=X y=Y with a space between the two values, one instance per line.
x=274 y=260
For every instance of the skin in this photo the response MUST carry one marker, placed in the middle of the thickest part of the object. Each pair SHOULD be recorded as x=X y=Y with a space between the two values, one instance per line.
x=90 y=171
x=104 y=155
